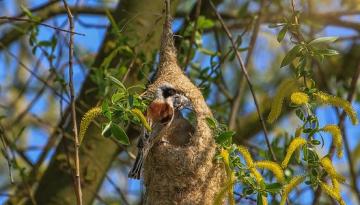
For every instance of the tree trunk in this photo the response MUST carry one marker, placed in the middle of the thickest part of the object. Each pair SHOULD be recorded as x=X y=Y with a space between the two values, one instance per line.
x=140 y=18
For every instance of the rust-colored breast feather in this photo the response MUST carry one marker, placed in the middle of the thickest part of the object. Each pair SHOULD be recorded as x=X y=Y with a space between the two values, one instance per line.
x=159 y=111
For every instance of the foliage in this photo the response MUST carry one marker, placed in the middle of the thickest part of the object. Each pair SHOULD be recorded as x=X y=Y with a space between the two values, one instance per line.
x=305 y=97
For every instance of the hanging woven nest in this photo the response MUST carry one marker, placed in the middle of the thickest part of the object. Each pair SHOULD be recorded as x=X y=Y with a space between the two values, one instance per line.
x=185 y=173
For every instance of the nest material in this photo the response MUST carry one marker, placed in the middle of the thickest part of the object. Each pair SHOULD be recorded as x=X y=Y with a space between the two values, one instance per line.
x=182 y=173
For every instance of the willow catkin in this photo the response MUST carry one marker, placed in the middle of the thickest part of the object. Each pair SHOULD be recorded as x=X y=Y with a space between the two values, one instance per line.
x=284 y=90
x=273 y=167
x=299 y=98
x=336 y=136
x=338 y=102
x=294 y=144
x=86 y=120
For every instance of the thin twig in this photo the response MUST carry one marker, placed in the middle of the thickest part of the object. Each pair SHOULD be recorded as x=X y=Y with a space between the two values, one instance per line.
x=118 y=190
x=6 y=154
x=73 y=106
x=11 y=19
x=237 y=99
x=192 y=39
x=243 y=68
x=33 y=73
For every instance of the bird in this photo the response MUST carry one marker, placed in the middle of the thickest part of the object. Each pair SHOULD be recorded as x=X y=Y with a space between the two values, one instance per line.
x=161 y=113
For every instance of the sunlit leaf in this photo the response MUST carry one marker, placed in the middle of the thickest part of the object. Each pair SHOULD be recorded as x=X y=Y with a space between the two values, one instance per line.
x=211 y=122
x=117 y=82
x=291 y=55
x=323 y=40
x=142 y=118
x=282 y=34
x=204 y=23
x=106 y=132
x=327 y=52
x=225 y=137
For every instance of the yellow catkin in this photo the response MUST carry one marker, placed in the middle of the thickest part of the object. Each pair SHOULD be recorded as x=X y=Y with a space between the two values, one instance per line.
x=299 y=98
x=335 y=194
x=230 y=189
x=86 y=120
x=246 y=155
x=225 y=155
x=220 y=196
x=264 y=200
x=273 y=167
x=284 y=90
x=295 y=143
x=337 y=138
x=330 y=169
x=336 y=186
x=338 y=102
x=289 y=187
x=257 y=175
x=250 y=163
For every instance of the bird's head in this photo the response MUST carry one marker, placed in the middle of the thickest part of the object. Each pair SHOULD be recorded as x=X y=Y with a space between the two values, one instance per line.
x=167 y=103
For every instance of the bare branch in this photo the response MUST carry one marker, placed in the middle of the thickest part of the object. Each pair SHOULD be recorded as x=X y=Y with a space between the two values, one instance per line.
x=73 y=107
x=243 y=68
x=11 y=19
x=197 y=13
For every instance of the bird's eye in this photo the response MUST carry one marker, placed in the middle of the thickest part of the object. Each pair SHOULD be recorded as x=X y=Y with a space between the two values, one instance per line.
x=168 y=92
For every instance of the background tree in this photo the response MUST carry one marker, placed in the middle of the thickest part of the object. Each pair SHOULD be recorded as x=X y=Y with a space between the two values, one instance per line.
x=121 y=39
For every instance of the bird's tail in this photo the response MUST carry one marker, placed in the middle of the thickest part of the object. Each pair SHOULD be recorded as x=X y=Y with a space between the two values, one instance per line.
x=135 y=172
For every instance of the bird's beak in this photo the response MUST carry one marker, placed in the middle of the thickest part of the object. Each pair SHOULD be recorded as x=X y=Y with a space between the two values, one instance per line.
x=186 y=103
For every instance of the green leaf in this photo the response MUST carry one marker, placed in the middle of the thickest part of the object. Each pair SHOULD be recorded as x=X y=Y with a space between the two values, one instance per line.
x=44 y=43
x=299 y=113
x=117 y=96
x=247 y=191
x=26 y=11
x=106 y=62
x=225 y=136
x=291 y=55
x=204 y=23
x=117 y=82
x=139 y=87
x=131 y=100
x=276 y=25
x=106 y=110
x=211 y=122
x=126 y=50
x=282 y=33
x=315 y=142
x=106 y=130
x=327 y=52
x=119 y=134
x=273 y=187
x=323 y=40
x=259 y=199
x=53 y=42
x=198 y=39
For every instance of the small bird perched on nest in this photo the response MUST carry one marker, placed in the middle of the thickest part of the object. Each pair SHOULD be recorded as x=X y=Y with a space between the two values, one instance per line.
x=163 y=112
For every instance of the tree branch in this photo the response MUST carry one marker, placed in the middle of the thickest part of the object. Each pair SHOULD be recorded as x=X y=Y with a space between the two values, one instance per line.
x=242 y=65
x=78 y=190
